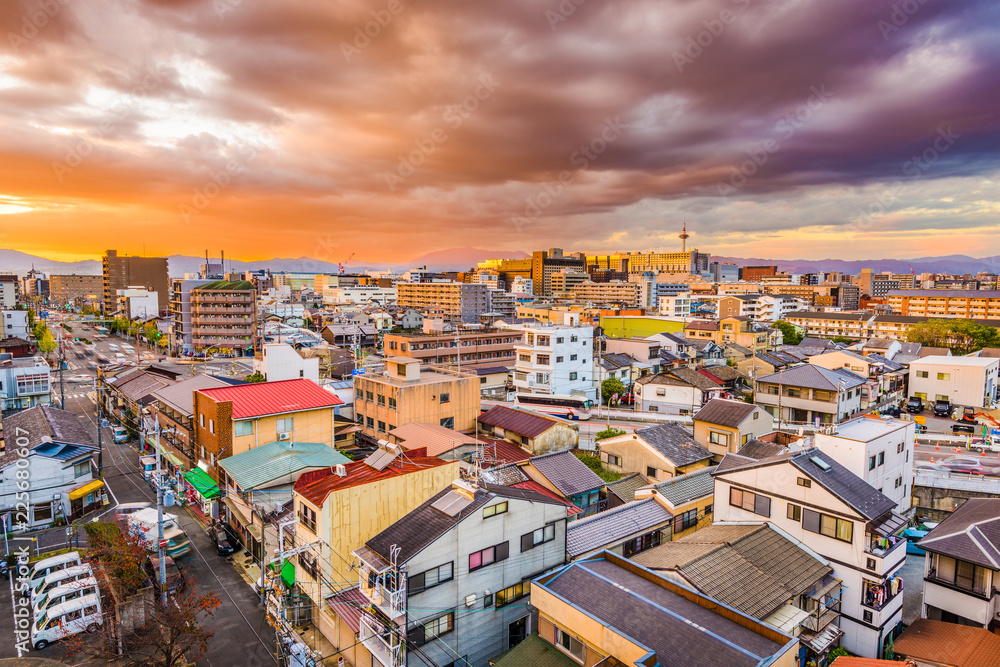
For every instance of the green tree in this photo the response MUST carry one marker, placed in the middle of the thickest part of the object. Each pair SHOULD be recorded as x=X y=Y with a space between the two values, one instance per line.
x=789 y=332
x=610 y=387
x=47 y=342
x=961 y=336
x=609 y=432
x=842 y=339
x=256 y=376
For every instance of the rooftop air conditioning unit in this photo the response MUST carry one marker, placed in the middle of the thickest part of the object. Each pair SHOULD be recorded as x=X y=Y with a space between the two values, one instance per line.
x=284 y=436
x=339 y=470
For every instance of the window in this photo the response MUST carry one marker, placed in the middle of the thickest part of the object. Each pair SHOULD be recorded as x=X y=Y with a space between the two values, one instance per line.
x=370 y=396
x=448 y=422
x=717 y=438
x=559 y=340
x=309 y=565
x=574 y=338
x=446 y=398
x=881 y=458
x=792 y=392
x=81 y=469
x=960 y=573
x=824 y=524
x=899 y=447
x=489 y=555
x=613 y=460
x=572 y=357
x=543 y=360
x=651 y=472
x=358 y=394
x=381 y=400
x=381 y=426
x=641 y=543
x=526 y=358
x=43 y=512
x=685 y=520
x=286 y=424
x=531 y=540
x=493 y=510
x=871 y=463
x=243 y=428
x=392 y=402
x=201 y=420
x=661 y=391
x=559 y=360
x=307 y=516
x=802 y=481
x=572 y=376
x=944 y=376
x=569 y=643
x=211 y=426
x=794 y=512
x=751 y=502
x=512 y=593
x=921 y=374
x=756 y=414
x=430 y=578
x=421 y=633
x=370 y=422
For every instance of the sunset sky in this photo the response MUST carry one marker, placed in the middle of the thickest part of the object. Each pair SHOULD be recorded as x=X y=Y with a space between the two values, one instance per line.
x=391 y=128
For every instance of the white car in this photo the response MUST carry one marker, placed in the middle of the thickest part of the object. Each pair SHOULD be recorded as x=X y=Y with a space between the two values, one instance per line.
x=80 y=378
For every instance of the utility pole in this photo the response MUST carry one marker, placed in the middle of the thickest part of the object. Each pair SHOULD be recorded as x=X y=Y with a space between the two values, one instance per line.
x=62 y=362
x=100 y=449
x=161 y=544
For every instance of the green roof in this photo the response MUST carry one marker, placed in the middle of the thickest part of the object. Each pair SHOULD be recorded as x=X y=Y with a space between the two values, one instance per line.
x=227 y=285
x=257 y=467
x=534 y=651
x=202 y=483
x=287 y=573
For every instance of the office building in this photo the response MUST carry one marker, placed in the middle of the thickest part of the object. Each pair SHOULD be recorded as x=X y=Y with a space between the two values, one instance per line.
x=66 y=289
x=460 y=302
x=123 y=271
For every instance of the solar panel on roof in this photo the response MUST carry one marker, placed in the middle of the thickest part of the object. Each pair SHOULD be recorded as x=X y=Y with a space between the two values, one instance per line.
x=820 y=463
x=451 y=503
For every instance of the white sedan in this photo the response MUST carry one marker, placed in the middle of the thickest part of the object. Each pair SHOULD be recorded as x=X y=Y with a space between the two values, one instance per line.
x=79 y=378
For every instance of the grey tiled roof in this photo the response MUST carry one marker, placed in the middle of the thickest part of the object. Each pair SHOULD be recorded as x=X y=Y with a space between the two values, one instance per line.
x=626 y=487
x=674 y=442
x=68 y=438
x=725 y=412
x=887 y=364
x=814 y=377
x=758 y=449
x=504 y=475
x=693 y=378
x=971 y=533
x=567 y=473
x=683 y=489
x=608 y=528
x=757 y=572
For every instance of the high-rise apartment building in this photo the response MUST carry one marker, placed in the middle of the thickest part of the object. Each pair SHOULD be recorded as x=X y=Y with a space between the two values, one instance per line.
x=757 y=273
x=547 y=262
x=121 y=272
x=224 y=315
x=971 y=304
x=65 y=289
x=461 y=302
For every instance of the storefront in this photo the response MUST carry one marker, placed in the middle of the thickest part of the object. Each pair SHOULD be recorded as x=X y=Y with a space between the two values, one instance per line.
x=201 y=490
x=250 y=535
x=86 y=498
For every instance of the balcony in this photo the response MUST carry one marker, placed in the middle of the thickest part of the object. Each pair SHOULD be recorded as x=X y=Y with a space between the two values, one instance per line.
x=382 y=642
x=383 y=591
x=878 y=596
x=881 y=547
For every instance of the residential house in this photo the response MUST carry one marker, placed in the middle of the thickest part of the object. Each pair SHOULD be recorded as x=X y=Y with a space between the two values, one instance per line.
x=644 y=351
x=408 y=393
x=349 y=334
x=625 y=530
x=884 y=380
x=129 y=391
x=811 y=497
x=967 y=380
x=24 y=382
x=513 y=474
x=618 y=366
x=260 y=481
x=280 y=361
x=58 y=452
x=14 y=324
x=709 y=353
x=724 y=425
x=808 y=393
x=690 y=498
x=346 y=507
x=930 y=643
x=658 y=452
x=731 y=379
x=494 y=381
x=534 y=432
x=610 y=611
x=16 y=348
x=677 y=391
x=556 y=359
x=737 y=329
x=674 y=344
x=962 y=566
x=624 y=489
x=761 y=572
x=236 y=419
x=736 y=353
x=173 y=409
x=879 y=451
x=764 y=363
x=448 y=582
x=567 y=476
x=439 y=441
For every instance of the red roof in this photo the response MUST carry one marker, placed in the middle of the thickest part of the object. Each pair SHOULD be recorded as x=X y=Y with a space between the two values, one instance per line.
x=501 y=452
x=272 y=398
x=516 y=421
x=348 y=605
x=711 y=377
x=532 y=485
x=316 y=485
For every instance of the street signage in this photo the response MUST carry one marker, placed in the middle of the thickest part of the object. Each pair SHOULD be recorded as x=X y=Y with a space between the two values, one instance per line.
x=358 y=371
x=163 y=544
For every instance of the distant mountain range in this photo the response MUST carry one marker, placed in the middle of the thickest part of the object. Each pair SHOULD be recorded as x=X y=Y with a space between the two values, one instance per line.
x=461 y=259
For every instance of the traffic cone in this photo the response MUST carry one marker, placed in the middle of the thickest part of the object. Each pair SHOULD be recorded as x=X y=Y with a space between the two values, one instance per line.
x=937 y=446
x=983 y=453
x=932 y=459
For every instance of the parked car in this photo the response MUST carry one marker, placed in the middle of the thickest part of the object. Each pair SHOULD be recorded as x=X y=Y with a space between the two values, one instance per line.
x=966 y=464
x=914 y=405
x=222 y=544
x=891 y=411
x=942 y=408
x=120 y=434
x=175 y=576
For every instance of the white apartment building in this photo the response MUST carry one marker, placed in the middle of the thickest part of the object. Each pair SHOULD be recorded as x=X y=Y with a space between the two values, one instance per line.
x=556 y=359
x=280 y=361
x=774 y=307
x=358 y=294
x=522 y=285
x=138 y=303
x=676 y=306
x=968 y=381
x=14 y=324
x=8 y=291
x=879 y=451
x=811 y=497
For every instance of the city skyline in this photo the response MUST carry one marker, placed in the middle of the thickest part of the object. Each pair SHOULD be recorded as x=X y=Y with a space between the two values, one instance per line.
x=804 y=131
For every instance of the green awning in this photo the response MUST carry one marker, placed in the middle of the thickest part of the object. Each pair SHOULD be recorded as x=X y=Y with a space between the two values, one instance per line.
x=173 y=458
x=287 y=573
x=202 y=483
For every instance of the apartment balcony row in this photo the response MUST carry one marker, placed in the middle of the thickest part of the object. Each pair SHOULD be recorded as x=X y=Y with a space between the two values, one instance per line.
x=234 y=330
x=220 y=342
x=222 y=310
x=216 y=297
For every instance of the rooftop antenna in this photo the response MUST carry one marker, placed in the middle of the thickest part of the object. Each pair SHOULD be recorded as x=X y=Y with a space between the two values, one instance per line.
x=684 y=236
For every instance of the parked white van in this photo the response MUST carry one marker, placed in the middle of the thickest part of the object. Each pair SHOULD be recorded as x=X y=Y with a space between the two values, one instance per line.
x=47 y=566
x=67 y=619
x=61 y=578
x=131 y=508
x=65 y=593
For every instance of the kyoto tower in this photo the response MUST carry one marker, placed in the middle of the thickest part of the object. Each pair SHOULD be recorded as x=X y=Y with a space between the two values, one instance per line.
x=684 y=236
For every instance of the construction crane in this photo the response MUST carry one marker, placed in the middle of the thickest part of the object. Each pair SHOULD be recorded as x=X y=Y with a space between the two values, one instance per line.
x=341 y=265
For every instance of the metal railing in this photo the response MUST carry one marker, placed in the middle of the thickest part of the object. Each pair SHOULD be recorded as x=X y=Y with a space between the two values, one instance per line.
x=382 y=642
x=870 y=547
